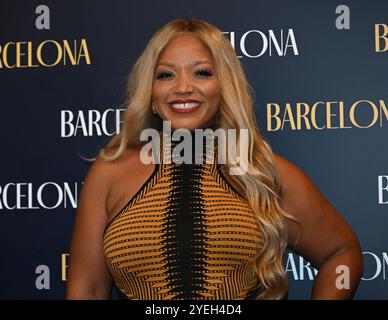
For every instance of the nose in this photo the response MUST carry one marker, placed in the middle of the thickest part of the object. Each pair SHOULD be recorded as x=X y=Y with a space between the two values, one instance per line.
x=183 y=85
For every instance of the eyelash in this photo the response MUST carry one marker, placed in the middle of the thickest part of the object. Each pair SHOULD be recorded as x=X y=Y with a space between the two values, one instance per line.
x=200 y=72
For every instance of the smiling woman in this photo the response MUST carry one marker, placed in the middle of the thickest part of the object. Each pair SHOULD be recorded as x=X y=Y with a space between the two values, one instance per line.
x=192 y=231
x=186 y=82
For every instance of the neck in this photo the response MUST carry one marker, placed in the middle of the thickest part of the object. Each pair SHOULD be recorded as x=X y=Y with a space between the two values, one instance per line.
x=195 y=141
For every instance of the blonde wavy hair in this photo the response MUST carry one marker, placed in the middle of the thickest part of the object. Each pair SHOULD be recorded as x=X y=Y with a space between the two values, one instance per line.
x=236 y=111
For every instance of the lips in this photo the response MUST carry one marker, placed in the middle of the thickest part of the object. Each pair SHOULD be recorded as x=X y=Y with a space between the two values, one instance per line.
x=184 y=106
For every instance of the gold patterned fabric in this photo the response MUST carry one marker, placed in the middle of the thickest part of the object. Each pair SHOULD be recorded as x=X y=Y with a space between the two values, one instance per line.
x=186 y=234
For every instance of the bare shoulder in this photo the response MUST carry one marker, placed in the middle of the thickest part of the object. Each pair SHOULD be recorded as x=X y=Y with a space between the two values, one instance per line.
x=91 y=219
x=103 y=173
x=286 y=167
x=104 y=168
x=301 y=198
x=121 y=178
x=320 y=230
x=293 y=180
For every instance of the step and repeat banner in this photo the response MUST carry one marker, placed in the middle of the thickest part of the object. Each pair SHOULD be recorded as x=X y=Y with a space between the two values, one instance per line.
x=320 y=74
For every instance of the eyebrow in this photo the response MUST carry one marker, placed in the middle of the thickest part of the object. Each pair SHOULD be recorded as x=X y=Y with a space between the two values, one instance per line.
x=194 y=63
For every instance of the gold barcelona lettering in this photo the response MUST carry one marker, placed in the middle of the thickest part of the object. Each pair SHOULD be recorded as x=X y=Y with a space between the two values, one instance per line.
x=64 y=265
x=48 y=54
x=381 y=35
x=331 y=115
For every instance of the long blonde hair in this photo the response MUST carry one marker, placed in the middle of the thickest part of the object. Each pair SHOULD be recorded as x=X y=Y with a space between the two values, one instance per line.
x=261 y=182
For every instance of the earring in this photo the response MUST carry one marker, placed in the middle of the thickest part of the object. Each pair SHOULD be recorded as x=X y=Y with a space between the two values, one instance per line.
x=153 y=109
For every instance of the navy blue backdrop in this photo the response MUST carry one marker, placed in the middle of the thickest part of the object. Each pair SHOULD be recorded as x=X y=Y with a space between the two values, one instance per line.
x=319 y=71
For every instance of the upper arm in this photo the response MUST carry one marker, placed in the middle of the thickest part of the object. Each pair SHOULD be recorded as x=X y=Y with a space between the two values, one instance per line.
x=88 y=274
x=320 y=230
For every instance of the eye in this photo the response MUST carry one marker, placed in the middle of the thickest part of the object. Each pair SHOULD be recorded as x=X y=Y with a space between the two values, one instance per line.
x=164 y=75
x=203 y=73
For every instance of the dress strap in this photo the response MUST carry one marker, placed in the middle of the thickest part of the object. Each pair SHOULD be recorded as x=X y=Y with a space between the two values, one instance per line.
x=202 y=149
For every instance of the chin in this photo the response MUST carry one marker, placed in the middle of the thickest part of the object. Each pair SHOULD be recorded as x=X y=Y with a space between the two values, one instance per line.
x=189 y=125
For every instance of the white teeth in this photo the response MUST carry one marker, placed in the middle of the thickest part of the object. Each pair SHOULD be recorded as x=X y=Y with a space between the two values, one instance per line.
x=185 y=105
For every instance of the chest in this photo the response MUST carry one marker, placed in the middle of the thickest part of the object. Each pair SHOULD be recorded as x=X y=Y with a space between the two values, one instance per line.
x=127 y=181
x=186 y=203
x=185 y=235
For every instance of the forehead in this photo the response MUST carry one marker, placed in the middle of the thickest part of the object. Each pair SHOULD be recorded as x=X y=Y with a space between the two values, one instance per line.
x=185 y=47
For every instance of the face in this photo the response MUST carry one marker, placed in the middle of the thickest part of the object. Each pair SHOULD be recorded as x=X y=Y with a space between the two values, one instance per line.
x=186 y=89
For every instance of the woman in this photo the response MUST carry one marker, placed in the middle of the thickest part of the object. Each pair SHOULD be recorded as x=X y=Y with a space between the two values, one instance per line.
x=193 y=231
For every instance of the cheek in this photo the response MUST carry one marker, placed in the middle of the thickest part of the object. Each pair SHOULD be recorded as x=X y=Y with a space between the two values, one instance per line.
x=213 y=92
x=158 y=92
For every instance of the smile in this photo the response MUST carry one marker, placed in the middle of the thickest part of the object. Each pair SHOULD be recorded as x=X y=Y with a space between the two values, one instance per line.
x=185 y=107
